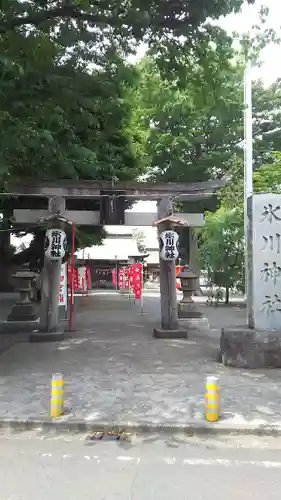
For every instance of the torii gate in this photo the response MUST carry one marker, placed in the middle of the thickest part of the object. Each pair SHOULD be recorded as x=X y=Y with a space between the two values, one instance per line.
x=58 y=194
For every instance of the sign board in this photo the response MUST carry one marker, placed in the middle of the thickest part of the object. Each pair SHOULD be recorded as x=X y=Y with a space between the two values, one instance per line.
x=63 y=286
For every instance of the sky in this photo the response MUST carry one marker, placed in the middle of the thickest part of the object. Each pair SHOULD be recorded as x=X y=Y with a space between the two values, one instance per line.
x=271 y=55
x=269 y=72
x=242 y=23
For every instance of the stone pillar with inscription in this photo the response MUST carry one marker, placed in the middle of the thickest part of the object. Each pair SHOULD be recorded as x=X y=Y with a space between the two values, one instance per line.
x=265 y=270
x=259 y=344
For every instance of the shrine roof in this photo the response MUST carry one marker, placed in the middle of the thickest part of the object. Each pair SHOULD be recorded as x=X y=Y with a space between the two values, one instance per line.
x=110 y=249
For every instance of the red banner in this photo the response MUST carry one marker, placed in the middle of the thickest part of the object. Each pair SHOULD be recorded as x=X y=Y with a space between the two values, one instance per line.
x=113 y=273
x=88 y=277
x=121 y=279
x=69 y=277
x=178 y=271
x=127 y=277
x=136 y=280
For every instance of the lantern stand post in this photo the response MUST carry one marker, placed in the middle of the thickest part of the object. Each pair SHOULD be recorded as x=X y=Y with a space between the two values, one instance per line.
x=168 y=293
x=51 y=273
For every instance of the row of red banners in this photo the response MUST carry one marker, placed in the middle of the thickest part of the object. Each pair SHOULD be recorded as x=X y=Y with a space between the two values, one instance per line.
x=130 y=277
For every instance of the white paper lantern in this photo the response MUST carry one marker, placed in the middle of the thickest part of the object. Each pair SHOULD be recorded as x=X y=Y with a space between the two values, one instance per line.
x=169 y=243
x=55 y=244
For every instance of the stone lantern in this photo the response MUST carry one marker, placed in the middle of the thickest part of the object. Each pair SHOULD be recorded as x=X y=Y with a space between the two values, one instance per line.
x=22 y=314
x=187 y=308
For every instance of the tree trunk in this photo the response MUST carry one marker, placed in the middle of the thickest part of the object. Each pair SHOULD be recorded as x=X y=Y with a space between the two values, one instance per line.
x=226 y=295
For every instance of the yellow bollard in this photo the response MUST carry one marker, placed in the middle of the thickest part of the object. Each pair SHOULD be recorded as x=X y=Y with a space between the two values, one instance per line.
x=212 y=402
x=57 y=395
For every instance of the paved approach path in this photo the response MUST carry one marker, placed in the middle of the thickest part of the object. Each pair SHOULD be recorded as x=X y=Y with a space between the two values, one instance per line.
x=37 y=467
x=115 y=372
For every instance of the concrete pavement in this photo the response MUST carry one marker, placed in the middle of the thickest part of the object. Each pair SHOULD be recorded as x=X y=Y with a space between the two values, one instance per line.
x=117 y=374
x=37 y=466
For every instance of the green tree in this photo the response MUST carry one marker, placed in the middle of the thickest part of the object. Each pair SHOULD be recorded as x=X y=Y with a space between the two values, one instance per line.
x=61 y=122
x=157 y=22
x=74 y=123
x=221 y=240
x=66 y=123
x=65 y=91
x=266 y=179
x=193 y=126
x=193 y=131
x=222 y=249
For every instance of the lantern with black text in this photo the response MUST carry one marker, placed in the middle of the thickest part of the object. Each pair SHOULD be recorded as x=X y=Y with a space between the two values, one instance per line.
x=55 y=244
x=169 y=245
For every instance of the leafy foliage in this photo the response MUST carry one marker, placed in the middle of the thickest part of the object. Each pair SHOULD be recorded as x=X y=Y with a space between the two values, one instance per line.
x=194 y=126
x=61 y=122
x=95 y=21
x=194 y=130
x=66 y=94
x=222 y=248
x=222 y=238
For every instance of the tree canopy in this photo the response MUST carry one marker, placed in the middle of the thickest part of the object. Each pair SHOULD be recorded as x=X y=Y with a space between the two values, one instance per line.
x=65 y=89
x=92 y=21
x=193 y=125
x=67 y=93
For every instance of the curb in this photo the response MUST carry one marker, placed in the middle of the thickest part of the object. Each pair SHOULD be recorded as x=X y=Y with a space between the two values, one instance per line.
x=63 y=425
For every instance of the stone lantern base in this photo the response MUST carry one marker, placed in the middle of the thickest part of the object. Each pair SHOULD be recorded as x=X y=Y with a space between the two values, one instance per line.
x=188 y=310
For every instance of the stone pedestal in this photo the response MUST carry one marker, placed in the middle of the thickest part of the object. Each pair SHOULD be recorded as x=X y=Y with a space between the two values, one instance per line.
x=39 y=336
x=243 y=347
x=161 y=333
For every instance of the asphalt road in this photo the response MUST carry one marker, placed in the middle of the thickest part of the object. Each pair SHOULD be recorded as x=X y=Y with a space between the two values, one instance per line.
x=38 y=467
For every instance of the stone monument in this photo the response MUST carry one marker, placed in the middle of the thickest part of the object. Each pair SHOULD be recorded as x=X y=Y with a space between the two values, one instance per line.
x=259 y=345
